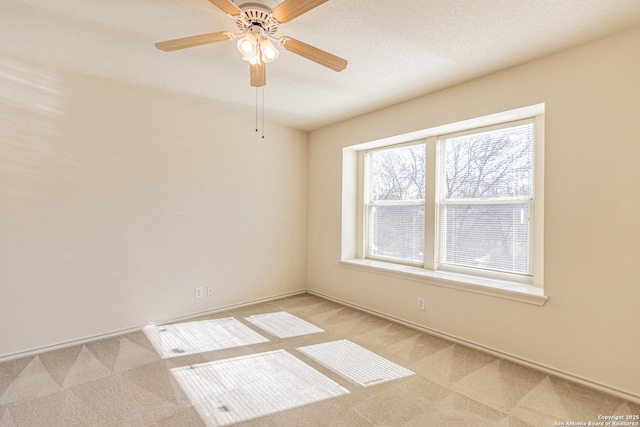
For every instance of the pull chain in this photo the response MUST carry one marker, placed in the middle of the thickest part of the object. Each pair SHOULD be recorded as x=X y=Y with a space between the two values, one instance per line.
x=258 y=113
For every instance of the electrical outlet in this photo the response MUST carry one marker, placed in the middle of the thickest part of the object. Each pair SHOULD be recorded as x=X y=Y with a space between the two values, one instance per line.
x=199 y=292
x=421 y=303
x=209 y=291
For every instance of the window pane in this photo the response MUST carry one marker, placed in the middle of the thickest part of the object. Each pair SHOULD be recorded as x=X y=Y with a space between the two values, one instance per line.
x=497 y=163
x=397 y=232
x=493 y=237
x=397 y=173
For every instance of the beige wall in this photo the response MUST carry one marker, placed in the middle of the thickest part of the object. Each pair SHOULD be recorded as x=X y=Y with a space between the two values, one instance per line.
x=116 y=202
x=589 y=326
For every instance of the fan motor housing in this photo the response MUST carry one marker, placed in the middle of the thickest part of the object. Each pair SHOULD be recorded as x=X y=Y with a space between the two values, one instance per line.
x=257 y=13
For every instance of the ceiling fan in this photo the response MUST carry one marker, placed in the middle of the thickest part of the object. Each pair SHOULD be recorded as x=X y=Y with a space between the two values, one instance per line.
x=258 y=24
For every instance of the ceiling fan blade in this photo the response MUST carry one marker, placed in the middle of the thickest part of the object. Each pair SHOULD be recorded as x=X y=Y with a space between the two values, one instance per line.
x=290 y=9
x=183 y=43
x=258 y=74
x=314 y=54
x=227 y=7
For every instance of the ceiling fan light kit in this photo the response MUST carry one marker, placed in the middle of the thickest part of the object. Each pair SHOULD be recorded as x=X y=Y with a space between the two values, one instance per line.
x=258 y=24
x=256 y=48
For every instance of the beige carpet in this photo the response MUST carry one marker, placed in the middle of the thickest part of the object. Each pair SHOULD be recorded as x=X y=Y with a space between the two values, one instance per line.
x=297 y=361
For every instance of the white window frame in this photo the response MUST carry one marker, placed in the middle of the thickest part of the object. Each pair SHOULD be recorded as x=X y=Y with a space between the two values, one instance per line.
x=369 y=205
x=516 y=287
x=440 y=200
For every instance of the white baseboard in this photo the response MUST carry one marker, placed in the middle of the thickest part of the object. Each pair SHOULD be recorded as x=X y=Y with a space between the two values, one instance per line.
x=79 y=341
x=623 y=394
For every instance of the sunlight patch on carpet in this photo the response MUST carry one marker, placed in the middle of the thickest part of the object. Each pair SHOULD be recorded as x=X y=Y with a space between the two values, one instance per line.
x=197 y=337
x=246 y=387
x=355 y=363
x=283 y=324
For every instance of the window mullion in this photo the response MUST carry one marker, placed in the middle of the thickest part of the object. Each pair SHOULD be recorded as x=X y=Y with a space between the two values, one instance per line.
x=430 y=205
x=361 y=211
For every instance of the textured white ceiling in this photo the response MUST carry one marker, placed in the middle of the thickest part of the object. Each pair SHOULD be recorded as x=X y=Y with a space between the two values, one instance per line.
x=397 y=49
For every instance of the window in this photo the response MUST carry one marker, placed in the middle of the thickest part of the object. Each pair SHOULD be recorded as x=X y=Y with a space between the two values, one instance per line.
x=395 y=203
x=459 y=203
x=485 y=197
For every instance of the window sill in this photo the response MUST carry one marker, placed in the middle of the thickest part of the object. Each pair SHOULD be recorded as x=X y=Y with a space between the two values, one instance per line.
x=497 y=288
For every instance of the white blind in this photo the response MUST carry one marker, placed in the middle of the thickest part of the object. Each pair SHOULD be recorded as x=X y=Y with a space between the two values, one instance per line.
x=396 y=232
x=486 y=199
x=492 y=236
